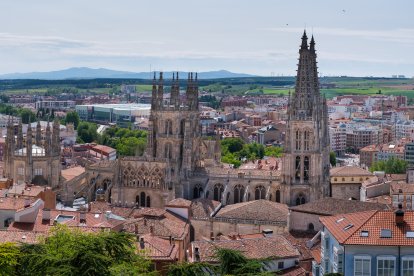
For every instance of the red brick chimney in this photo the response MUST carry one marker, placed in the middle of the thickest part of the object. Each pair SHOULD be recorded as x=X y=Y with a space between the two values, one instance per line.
x=399 y=215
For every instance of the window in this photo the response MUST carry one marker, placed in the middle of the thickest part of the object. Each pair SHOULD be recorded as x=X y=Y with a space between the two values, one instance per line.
x=280 y=265
x=238 y=193
x=278 y=196
x=38 y=171
x=407 y=266
x=298 y=140
x=259 y=193
x=198 y=190
x=362 y=266
x=20 y=171
x=298 y=169
x=218 y=192
x=386 y=266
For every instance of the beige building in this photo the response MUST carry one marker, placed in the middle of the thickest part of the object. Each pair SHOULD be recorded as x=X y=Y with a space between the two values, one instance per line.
x=346 y=181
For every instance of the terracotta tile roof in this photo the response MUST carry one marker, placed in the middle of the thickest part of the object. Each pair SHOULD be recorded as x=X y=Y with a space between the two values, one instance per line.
x=180 y=202
x=293 y=271
x=12 y=203
x=349 y=171
x=339 y=225
x=401 y=187
x=164 y=225
x=157 y=248
x=71 y=173
x=25 y=190
x=202 y=208
x=299 y=239
x=274 y=247
x=69 y=218
x=332 y=206
x=258 y=210
x=384 y=220
x=20 y=236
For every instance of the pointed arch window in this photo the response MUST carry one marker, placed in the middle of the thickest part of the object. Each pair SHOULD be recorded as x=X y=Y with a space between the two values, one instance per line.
x=306 y=168
x=300 y=199
x=142 y=199
x=168 y=151
x=278 y=196
x=259 y=193
x=306 y=140
x=238 y=193
x=297 y=168
x=168 y=127
x=198 y=190
x=297 y=140
x=218 y=192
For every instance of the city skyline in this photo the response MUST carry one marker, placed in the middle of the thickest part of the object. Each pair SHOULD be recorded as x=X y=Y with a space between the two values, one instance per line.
x=352 y=38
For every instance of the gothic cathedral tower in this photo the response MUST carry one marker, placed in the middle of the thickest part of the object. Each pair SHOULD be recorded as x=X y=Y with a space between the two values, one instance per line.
x=174 y=133
x=305 y=172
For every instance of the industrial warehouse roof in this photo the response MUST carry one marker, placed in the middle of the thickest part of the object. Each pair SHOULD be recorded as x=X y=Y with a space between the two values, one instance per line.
x=129 y=106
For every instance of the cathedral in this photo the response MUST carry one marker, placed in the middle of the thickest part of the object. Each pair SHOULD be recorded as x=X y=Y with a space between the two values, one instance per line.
x=180 y=163
x=32 y=161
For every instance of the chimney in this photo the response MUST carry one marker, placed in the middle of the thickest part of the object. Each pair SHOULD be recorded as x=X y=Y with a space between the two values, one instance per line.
x=26 y=202
x=151 y=230
x=46 y=214
x=82 y=217
x=399 y=215
x=142 y=243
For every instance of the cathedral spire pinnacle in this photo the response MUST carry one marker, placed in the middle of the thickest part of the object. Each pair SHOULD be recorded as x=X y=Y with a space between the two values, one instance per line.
x=304 y=41
x=312 y=45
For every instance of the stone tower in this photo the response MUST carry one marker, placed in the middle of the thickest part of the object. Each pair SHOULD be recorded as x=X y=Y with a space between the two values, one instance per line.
x=174 y=133
x=305 y=173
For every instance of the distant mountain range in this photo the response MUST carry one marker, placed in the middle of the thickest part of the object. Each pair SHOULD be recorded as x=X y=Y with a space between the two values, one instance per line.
x=90 y=73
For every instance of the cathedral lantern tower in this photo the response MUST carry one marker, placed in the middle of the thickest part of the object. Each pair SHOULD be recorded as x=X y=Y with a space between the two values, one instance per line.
x=305 y=172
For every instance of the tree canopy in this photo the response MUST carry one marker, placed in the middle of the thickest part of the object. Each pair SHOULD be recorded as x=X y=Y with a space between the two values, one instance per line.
x=72 y=252
x=230 y=262
x=72 y=117
x=87 y=132
x=234 y=150
x=392 y=165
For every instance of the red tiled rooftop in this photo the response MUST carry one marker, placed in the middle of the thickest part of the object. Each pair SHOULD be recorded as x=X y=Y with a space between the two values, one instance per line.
x=372 y=222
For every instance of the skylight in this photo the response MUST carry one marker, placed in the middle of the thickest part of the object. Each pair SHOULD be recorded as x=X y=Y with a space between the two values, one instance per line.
x=339 y=220
x=364 y=233
x=410 y=234
x=349 y=226
x=386 y=233
x=63 y=218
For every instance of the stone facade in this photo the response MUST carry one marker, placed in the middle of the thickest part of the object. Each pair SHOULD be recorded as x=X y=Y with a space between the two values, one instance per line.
x=305 y=173
x=180 y=163
x=28 y=160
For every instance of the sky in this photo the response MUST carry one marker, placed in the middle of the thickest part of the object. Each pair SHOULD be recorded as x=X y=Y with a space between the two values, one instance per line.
x=262 y=37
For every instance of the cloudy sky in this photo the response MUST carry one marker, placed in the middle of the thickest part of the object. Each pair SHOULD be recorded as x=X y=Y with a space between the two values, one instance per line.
x=359 y=38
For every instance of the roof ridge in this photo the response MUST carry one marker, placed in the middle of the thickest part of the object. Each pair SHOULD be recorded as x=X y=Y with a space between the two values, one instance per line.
x=369 y=218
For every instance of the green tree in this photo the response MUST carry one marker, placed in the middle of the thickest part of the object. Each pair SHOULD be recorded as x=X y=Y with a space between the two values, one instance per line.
x=27 y=115
x=9 y=255
x=390 y=166
x=187 y=269
x=273 y=151
x=332 y=158
x=232 y=145
x=232 y=262
x=87 y=132
x=72 y=117
x=72 y=252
